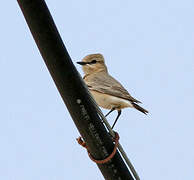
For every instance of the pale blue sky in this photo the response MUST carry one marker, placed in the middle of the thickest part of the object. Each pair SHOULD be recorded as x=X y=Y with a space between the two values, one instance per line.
x=148 y=47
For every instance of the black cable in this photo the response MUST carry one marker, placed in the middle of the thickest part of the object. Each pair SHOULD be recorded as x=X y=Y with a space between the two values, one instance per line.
x=72 y=89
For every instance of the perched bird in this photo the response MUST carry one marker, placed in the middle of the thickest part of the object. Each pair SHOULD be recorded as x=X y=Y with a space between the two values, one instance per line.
x=107 y=91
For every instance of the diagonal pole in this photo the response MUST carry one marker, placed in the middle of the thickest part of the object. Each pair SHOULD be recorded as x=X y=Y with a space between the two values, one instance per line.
x=72 y=89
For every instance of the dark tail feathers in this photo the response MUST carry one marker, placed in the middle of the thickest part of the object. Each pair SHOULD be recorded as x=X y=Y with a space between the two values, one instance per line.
x=139 y=108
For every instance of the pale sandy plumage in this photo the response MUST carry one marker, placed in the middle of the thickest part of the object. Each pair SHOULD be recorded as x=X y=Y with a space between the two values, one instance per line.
x=106 y=90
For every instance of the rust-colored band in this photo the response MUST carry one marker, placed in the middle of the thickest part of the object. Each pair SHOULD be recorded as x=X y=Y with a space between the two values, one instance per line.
x=116 y=140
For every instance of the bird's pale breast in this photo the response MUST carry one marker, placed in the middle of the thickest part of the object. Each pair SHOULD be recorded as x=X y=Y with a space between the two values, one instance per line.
x=108 y=101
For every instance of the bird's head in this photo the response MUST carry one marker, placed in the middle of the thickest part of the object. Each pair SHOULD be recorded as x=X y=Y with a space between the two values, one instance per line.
x=93 y=63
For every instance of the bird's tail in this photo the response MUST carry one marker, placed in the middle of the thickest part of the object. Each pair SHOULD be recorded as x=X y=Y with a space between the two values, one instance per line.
x=139 y=108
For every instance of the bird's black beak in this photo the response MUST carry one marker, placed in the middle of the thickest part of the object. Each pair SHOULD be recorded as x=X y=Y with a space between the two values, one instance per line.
x=82 y=63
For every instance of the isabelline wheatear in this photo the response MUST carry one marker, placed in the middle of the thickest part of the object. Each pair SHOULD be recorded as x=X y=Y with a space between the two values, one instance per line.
x=107 y=91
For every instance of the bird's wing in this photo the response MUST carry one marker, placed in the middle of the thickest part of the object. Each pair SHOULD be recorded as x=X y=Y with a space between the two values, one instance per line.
x=108 y=85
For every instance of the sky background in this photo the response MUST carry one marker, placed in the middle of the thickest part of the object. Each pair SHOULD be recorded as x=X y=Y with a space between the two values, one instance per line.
x=148 y=46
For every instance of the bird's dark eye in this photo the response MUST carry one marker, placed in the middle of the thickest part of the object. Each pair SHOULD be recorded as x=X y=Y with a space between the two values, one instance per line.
x=93 y=61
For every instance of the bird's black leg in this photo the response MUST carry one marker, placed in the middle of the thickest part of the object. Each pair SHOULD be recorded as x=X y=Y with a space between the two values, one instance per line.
x=119 y=113
x=110 y=112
